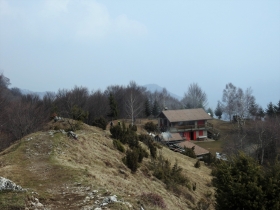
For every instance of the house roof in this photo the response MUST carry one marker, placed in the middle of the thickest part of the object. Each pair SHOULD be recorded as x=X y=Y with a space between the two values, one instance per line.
x=166 y=136
x=197 y=149
x=182 y=115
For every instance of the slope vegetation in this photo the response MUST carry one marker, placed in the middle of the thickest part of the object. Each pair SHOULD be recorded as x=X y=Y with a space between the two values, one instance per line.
x=66 y=173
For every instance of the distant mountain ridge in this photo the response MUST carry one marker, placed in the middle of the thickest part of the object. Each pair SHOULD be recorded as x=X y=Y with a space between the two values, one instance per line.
x=25 y=92
x=154 y=87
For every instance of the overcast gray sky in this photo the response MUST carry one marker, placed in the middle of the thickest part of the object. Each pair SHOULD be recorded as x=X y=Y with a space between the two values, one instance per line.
x=50 y=44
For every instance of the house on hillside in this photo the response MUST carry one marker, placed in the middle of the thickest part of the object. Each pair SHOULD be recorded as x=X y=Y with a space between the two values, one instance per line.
x=191 y=124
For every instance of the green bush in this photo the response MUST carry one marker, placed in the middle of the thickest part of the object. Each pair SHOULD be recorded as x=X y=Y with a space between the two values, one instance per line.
x=136 y=153
x=171 y=176
x=74 y=125
x=145 y=138
x=142 y=153
x=241 y=183
x=131 y=159
x=132 y=139
x=78 y=113
x=148 y=140
x=150 y=127
x=117 y=132
x=153 y=150
x=197 y=164
x=100 y=122
x=118 y=145
x=209 y=159
x=189 y=152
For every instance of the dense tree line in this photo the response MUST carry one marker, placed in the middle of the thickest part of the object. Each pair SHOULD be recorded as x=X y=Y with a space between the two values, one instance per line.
x=23 y=114
x=248 y=180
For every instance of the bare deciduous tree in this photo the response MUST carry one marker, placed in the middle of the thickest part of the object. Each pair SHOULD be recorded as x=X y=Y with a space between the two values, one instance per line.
x=237 y=102
x=25 y=116
x=230 y=100
x=195 y=97
x=135 y=101
x=267 y=137
x=245 y=100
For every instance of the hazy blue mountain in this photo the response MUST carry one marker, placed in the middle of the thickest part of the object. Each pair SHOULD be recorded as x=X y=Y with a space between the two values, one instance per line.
x=25 y=92
x=154 y=87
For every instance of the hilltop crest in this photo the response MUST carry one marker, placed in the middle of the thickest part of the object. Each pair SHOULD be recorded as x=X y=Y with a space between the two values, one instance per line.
x=64 y=173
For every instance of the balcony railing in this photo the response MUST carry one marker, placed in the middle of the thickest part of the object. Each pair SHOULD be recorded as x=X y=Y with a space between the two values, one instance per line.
x=183 y=128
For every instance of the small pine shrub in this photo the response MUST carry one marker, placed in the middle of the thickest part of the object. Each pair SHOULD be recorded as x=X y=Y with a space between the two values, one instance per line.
x=194 y=186
x=131 y=159
x=100 y=122
x=209 y=159
x=153 y=150
x=145 y=138
x=118 y=145
x=142 y=153
x=150 y=127
x=74 y=125
x=78 y=113
x=197 y=164
x=148 y=140
x=171 y=176
x=132 y=139
x=117 y=132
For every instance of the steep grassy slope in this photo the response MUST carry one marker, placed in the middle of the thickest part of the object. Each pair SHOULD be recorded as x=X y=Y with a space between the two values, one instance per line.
x=61 y=172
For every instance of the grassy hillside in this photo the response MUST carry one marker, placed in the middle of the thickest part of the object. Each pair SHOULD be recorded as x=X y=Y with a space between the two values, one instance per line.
x=62 y=172
x=226 y=131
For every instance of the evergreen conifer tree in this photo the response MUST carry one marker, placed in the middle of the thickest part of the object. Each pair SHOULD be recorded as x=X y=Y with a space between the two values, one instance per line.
x=241 y=183
x=113 y=114
x=278 y=108
x=219 y=110
x=253 y=109
x=271 y=110
x=209 y=111
x=260 y=113
x=148 y=110
x=156 y=108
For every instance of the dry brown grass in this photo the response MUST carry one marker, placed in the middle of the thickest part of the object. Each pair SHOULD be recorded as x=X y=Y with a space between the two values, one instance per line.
x=49 y=165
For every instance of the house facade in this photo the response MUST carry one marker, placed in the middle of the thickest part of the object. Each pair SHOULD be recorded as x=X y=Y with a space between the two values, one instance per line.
x=191 y=124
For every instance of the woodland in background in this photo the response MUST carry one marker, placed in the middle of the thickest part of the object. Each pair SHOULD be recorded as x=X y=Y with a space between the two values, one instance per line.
x=23 y=114
x=248 y=181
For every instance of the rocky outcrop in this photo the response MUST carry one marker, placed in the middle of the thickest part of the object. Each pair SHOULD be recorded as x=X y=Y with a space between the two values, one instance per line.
x=6 y=184
x=33 y=203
